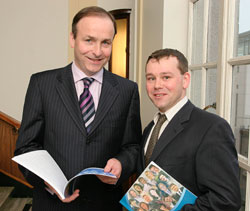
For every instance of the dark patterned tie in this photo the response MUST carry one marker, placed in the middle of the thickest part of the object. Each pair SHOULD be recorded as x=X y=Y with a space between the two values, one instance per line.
x=87 y=105
x=154 y=137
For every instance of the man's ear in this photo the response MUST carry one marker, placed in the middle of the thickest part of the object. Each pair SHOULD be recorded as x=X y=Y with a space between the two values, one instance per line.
x=72 y=40
x=186 y=80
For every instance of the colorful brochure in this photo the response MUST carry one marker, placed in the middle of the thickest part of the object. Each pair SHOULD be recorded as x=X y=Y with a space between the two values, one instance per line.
x=156 y=190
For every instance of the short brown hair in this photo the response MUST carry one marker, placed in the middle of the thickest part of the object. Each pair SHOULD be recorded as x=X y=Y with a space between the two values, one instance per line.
x=91 y=11
x=168 y=52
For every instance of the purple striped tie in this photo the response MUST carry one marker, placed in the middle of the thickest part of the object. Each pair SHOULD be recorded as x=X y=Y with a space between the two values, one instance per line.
x=87 y=105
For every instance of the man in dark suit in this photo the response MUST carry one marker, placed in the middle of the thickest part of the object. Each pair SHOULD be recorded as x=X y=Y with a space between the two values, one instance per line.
x=54 y=121
x=194 y=146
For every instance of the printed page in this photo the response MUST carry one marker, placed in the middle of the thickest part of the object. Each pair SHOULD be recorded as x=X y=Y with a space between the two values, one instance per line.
x=42 y=164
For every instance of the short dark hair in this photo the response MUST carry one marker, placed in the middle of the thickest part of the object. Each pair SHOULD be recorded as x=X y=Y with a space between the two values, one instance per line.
x=91 y=11
x=168 y=52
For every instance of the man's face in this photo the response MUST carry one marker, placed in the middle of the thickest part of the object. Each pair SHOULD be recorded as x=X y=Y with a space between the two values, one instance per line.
x=93 y=43
x=138 y=188
x=163 y=177
x=133 y=203
x=162 y=187
x=147 y=198
x=133 y=193
x=174 y=188
x=154 y=169
x=142 y=180
x=164 y=82
x=150 y=175
x=144 y=206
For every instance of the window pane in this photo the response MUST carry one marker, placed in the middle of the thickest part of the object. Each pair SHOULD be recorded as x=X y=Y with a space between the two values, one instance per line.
x=197 y=32
x=213 y=31
x=243 y=183
x=240 y=119
x=242 y=28
x=196 y=84
x=211 y=89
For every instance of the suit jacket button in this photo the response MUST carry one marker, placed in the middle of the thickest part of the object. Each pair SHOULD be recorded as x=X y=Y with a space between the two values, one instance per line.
x=87 y=141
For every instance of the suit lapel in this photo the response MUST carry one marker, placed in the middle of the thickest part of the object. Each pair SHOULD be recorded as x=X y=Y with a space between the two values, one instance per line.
x=145 y=135
x=108 y=96
x=66 y=90
x=174 y=127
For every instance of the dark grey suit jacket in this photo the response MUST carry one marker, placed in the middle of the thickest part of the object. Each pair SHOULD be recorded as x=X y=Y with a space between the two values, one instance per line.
x=52 y=121
x=197 y=149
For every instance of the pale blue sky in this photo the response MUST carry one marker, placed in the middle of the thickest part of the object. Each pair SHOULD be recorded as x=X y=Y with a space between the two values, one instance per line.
x=244 y=19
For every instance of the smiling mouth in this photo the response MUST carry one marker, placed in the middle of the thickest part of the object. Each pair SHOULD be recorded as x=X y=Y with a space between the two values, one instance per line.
x=159 y=95
x=95 y=60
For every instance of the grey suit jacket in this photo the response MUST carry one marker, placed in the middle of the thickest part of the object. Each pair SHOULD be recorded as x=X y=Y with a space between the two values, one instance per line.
x=52 y=121
x=197 y=149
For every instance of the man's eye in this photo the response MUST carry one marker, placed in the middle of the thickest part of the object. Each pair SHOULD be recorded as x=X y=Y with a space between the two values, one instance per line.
x=166 y=77
x=150 y=79
x=107 y=43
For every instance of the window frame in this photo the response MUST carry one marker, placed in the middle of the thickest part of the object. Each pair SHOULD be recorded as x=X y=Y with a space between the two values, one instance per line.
x=224 y=67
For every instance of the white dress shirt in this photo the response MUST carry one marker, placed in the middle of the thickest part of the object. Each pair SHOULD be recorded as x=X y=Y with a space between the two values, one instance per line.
x=95 y=87
x=169 y=114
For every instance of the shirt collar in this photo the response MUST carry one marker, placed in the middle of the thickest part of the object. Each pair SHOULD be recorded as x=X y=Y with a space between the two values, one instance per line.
x=172 y=111
x=78 y=75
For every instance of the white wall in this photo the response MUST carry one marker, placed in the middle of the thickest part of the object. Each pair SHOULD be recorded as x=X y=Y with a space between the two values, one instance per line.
x=152 y=39
x=34 y=37
x=165 y=25
x=175 y=25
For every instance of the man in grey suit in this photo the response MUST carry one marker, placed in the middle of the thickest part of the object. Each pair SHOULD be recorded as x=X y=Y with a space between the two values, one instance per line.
x=105 y=134
x=194 y=146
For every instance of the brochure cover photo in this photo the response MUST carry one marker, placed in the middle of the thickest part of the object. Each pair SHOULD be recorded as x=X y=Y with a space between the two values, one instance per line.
x=156 y=190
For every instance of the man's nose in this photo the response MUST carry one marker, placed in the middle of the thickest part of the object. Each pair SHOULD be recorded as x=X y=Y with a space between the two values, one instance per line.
x=158 y=83
x=97 y=50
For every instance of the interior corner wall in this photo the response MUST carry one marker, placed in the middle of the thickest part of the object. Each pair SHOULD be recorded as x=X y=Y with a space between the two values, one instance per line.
x=164 y=24
x=34 y=37
x=152 y=39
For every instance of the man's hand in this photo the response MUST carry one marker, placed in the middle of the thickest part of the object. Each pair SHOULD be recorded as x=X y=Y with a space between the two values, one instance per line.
x=113 y=166
x=66 y=200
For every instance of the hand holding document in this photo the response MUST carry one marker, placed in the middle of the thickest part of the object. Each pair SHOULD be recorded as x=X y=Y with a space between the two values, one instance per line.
x=155 y=189
x=43 y=165
x=68 y=199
